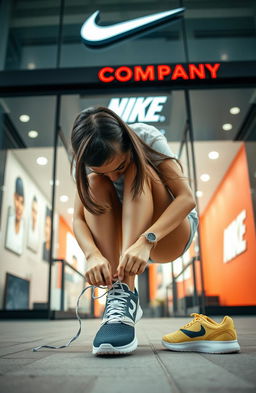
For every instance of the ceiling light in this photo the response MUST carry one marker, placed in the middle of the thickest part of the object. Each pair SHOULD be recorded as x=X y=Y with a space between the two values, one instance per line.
x=224 y=56
x=42 y=160
x=235 y=110
x=213 y=155
x=205 y=177
x=64 y=198
x=227 y=127
x=70 y=210
x=24 y=118
x=33 y=134
x=57 y=182
x=31 y=66
x=199 y=194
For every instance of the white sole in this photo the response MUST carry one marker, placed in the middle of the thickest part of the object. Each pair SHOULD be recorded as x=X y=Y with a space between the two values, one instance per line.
x=204 y=346
x=108 y=349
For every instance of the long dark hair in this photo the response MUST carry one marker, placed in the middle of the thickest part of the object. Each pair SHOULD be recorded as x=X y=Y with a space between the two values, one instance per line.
x=98 y=134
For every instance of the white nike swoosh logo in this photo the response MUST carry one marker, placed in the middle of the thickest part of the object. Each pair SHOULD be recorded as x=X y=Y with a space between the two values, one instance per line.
x=94 y=35
x=132 y=310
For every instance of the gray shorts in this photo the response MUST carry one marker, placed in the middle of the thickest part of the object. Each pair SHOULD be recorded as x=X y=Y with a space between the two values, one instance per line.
x=193 y=220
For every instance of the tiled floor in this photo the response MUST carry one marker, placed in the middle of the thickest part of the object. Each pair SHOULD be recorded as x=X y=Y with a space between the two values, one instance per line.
x=151 y=369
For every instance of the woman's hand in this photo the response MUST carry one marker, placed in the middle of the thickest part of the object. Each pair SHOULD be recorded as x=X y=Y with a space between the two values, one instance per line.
x=98 y=271
x=135 y=258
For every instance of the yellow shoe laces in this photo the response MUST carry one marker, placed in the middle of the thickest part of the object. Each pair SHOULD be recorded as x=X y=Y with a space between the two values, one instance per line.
x=196 y=317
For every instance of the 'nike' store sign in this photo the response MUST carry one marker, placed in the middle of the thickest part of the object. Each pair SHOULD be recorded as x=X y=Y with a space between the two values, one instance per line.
x=160 y=72
x=96 y=36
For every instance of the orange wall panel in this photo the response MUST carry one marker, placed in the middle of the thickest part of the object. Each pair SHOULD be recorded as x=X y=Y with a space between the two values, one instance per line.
x=64 y=228
x=233 y=281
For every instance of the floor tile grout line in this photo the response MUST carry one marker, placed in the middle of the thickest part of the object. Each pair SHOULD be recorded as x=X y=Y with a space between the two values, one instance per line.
x=226 y=370
x=165 y=370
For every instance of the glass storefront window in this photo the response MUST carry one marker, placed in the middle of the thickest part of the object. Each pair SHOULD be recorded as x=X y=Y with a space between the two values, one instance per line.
x=27 y=129
x=220 y=30
x=29 y=34
x=216 y=31
x=224 y=123
x=224 y=144
x=68 y=269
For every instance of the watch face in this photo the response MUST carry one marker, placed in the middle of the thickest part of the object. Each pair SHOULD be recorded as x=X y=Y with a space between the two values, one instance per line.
x=151 y=236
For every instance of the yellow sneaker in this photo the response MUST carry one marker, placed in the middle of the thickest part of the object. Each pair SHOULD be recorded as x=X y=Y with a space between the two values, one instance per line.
x=203 y=334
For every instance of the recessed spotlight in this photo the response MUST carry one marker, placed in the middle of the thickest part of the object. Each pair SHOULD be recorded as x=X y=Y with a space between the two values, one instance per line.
x=57 y=182
x=24 y=118
x=31 y=66
x=224 y=56
x=42 y=160
x=199 y=194
x=227 y=127
x=33 y=134
x=64 y=198
x=235 y=110
x=205 y=177
x=70 y=210
x=213 y=155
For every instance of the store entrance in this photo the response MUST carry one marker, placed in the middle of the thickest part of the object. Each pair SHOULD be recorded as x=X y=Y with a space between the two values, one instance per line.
x=44 y=276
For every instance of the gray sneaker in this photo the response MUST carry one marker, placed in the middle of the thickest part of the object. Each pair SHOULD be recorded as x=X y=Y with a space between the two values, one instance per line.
x=117 y=333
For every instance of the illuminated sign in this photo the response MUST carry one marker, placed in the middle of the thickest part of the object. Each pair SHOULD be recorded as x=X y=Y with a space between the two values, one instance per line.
x=95 y=36
x=139 y=109
x=160 y=72
x=234 y=244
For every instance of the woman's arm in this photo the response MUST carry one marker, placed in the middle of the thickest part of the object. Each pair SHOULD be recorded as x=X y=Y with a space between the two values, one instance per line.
x=82 y=232
x=98 y=269
x=180 y=207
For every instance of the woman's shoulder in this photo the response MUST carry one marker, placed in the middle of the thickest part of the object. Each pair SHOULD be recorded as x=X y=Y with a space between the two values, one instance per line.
x=146 y=131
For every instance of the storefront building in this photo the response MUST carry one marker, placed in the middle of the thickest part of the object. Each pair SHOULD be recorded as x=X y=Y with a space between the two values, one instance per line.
x=193 y=77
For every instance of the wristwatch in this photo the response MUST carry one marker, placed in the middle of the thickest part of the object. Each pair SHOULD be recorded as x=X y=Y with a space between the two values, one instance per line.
x=151 y=238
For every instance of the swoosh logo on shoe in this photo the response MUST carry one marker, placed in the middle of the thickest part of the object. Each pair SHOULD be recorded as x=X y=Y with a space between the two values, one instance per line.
x=132 y=310
x=192 y=334
x=94 y=35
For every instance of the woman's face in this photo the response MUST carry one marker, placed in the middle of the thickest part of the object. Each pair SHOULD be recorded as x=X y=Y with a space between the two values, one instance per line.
x=115 y=168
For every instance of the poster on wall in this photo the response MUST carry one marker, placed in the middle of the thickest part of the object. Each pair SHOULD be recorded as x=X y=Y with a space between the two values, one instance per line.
x=16 y=295
x=15 y=224
x=33 y=226
x=47 y=234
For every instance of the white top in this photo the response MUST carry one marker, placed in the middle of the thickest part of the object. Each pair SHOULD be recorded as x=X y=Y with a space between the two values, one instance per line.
x=153 y=138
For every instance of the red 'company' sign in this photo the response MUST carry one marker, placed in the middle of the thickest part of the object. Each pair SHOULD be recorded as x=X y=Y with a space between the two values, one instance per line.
x=161 y=72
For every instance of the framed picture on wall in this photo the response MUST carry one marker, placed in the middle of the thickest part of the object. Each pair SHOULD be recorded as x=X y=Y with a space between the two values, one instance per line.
x=47 y=234
x=33 y=226
x=16 y=294
x=14 y=233
x=15 y=227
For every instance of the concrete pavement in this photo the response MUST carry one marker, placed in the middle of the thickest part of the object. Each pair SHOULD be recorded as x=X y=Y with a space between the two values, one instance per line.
x=150 y=369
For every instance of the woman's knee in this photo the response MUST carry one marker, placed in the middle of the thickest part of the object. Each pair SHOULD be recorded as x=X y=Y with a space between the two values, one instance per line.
x=100 y=185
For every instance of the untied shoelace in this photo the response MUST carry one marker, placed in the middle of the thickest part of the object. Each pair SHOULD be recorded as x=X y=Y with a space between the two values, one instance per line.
x=78 y=317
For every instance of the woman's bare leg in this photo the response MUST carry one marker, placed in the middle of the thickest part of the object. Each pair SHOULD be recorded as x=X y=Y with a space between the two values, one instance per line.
x=106 y=228
x=140 y=213
x=116 y=230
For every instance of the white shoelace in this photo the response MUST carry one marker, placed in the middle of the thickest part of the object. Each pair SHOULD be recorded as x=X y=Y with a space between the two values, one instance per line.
x=116 y=305
x=78 y=316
